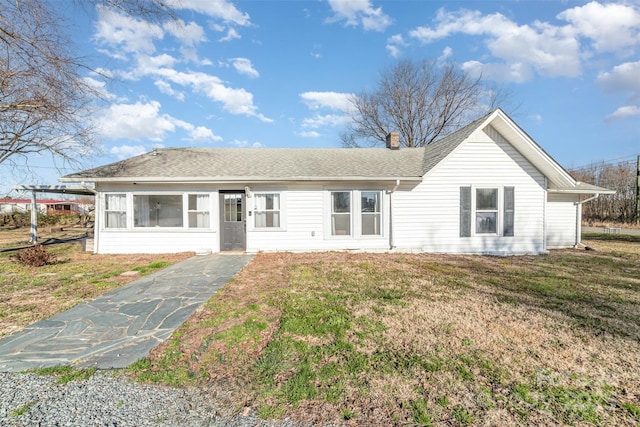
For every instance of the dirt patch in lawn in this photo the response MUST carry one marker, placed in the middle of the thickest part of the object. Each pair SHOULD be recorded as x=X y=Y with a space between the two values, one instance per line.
x=29 y=294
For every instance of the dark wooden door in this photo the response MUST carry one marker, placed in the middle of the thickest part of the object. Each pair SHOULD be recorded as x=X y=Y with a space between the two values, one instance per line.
x=232 y=221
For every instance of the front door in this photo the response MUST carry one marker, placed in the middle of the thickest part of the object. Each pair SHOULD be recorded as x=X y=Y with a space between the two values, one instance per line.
x=232 y=221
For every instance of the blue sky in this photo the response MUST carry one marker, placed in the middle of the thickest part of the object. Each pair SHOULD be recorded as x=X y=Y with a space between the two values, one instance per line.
x=279 y=73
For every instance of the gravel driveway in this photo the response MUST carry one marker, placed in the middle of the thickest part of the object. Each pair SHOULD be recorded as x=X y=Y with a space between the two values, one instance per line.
x=109 y=399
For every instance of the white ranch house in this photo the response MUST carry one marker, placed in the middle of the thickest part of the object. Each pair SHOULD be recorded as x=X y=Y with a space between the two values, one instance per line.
x=487 y=188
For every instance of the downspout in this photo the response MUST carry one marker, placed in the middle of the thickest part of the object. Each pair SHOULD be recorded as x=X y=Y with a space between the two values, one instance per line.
x=391 y=238
x=579 y=221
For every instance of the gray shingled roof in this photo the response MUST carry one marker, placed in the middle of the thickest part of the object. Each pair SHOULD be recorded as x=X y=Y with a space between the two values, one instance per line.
x=225 y=164
x=262 y=163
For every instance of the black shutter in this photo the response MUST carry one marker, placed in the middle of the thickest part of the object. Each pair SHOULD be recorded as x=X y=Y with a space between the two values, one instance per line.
x=509 y=209
x=465 y=211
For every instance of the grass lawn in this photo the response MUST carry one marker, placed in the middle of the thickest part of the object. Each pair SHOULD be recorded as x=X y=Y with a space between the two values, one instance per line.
x=418 y=339
x=29 y=294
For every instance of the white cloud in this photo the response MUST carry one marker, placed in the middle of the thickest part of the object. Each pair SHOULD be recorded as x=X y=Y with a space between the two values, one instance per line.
x=189 y=34
x=235 y=101
x=220 y=9
x=100 y=88
x=359 y=12
x=625 y=112
x=537 y=118
x=332 y=100
x=515 y=72
x=126 y=151
x=546 y=49
x=446 y=54
x=126 y=33
x=326 y=120
x=242 y=143
x=395 y=44
x=612 y=27
x=166 y=88
x=203 y=134
x=309 y=134
x=244 y=66
x=623 y=78
x=232 y=34
x=135 y=121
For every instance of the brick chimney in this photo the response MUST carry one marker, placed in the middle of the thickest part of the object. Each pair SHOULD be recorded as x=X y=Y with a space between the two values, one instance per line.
x=393 y=141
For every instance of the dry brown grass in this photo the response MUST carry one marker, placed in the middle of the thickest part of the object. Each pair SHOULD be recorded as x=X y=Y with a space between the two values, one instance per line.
x=398 y=339
x=29 y=294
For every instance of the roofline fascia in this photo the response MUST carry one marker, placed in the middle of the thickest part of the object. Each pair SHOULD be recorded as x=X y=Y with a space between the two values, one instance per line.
x=247 y=180
x=578 y=191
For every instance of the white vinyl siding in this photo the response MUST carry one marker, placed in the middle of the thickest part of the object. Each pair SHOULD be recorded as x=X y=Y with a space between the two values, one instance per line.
x=306 y=225
x=427 y=216
x=561 y=214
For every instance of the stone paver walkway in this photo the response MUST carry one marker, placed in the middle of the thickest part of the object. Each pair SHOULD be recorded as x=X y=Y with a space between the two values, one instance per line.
x=122 y=326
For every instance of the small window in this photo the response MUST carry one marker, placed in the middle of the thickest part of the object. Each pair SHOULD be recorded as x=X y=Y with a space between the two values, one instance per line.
x=157 y=210
x=340 y=213
x=115 y=210
x=233 y=207
x=370 y=210
x=198 y=211
x=267 y=210
x=486 y=210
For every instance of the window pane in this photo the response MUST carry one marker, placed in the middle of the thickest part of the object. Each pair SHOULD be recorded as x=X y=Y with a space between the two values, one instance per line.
x=487 y=198
x=233 y=207
x=157 y=210
x=115 y=202
x=371 y=224
x=116 y=211
x=199 y=219
x=341 y=224
x=486 y=222
x=116 y=220
x=370 y=201
x=198 y=205
x=341 y=201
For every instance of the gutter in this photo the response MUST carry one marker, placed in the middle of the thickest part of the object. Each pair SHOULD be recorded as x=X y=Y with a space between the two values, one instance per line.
x=579 y=221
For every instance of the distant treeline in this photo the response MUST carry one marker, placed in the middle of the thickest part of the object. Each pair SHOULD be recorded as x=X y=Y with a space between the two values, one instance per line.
x=619 y=207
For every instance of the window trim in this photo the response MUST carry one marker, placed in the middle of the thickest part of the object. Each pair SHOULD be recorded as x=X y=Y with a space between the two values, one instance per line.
x=130 y=208
x=126 y=210
x=355 y=213
x=254 y=211
x=497 y=210
x=187 y=211
x=501 y=211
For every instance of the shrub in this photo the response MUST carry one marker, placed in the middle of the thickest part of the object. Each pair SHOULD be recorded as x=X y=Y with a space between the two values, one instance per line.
x=35 y=256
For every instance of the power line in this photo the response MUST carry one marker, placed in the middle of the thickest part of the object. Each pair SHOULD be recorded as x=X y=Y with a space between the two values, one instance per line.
x=617 y=160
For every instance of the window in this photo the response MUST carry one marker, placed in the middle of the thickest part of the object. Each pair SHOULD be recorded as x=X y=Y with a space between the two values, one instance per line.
x=370 y=210
x=491 y=208
x=198 y=210
x=157 y=210
x=486 y=210
x=267 y=210
x=115 y=209
x=340 y=213
x=233 y=207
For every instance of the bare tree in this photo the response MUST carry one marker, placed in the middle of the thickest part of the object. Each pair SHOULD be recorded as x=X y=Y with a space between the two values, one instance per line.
x=45 y=101
x=621 y=177
x=420 y=100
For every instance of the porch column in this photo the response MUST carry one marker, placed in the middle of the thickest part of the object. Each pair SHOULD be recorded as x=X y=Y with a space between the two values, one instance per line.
x=34 y=218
